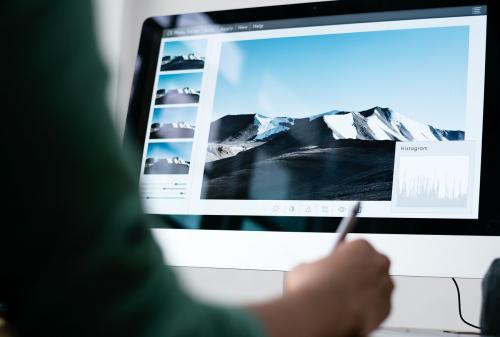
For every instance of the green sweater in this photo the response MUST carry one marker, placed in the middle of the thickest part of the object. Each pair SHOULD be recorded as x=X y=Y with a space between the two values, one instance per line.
x=76 y=255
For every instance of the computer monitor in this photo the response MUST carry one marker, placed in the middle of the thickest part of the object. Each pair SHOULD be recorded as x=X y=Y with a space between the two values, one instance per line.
x=258 y=129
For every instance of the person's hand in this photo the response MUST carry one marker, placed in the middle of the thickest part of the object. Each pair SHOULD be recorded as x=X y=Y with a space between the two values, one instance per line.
x=347 y=293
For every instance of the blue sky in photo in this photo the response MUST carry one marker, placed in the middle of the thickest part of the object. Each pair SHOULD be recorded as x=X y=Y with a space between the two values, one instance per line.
x=420 y=73
x=175 y=115
x=177 y=48
x=179 y=81
x=170 y=150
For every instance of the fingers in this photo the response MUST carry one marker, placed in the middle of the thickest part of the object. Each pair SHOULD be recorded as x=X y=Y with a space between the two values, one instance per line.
x=389 y=286
x=356 y=276
x=379 y=266
x=382 y=308
x=386 y=287
x=362 y=246
x=383 y=305
x=386 y=292
x=364 y=250
x=385 y=263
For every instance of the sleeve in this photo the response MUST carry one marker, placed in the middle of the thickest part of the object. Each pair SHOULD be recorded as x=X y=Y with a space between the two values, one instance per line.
x=76 y=255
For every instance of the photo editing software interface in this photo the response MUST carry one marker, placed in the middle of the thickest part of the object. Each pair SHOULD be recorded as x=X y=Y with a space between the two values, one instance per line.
x=304 y=117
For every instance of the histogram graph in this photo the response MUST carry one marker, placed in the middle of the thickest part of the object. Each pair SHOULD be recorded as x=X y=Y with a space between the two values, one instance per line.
x=433 y=181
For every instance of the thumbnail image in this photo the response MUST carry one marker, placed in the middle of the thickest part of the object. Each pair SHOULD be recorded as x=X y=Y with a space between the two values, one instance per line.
x=179 y=89
x=184 y=55
x=168 y=158
x=171 y=123
x=318 y=117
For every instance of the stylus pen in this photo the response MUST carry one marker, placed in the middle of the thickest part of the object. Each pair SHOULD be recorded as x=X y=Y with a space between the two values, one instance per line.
x=347 y=225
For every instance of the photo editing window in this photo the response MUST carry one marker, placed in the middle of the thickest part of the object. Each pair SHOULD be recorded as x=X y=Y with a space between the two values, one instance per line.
x=304 y=117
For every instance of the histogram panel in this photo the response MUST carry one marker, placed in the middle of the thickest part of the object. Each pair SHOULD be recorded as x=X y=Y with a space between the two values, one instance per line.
x=433 y=181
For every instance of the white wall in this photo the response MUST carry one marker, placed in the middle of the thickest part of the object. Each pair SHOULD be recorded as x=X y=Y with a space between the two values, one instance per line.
x=417 y=302
x=109 y=26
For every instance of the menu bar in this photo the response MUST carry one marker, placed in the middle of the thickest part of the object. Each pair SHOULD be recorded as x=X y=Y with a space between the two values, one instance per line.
x=326 y=21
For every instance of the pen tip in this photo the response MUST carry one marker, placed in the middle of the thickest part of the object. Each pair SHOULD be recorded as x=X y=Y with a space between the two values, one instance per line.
x=357 y=207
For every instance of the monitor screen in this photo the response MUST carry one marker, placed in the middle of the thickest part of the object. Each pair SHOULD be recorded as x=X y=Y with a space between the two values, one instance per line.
x=303 y=117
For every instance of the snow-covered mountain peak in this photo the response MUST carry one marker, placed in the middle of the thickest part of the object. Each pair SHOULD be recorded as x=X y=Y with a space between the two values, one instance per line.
x=191 y=57
x=261 y=119
x=174 y=160
x=185 y=91
x=182 y=125
x=377 y=111
x=377 y=123
x=268 y=126
x=384 y=124
x=177 y=160
x=329 y=113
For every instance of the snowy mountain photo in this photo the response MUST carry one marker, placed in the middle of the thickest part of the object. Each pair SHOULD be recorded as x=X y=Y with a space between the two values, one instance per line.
x=171 y=123
x=184 y=55
x=168 y=158
x=172 y=130
x=182 y=62
x=318 y=117
x=179 y=89
x=346 y=154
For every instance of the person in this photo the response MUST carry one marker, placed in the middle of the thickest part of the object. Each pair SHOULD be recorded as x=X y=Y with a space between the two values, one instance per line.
x=76 y=255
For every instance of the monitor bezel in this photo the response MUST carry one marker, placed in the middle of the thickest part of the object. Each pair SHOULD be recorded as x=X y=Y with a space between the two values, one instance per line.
x=488 y=223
